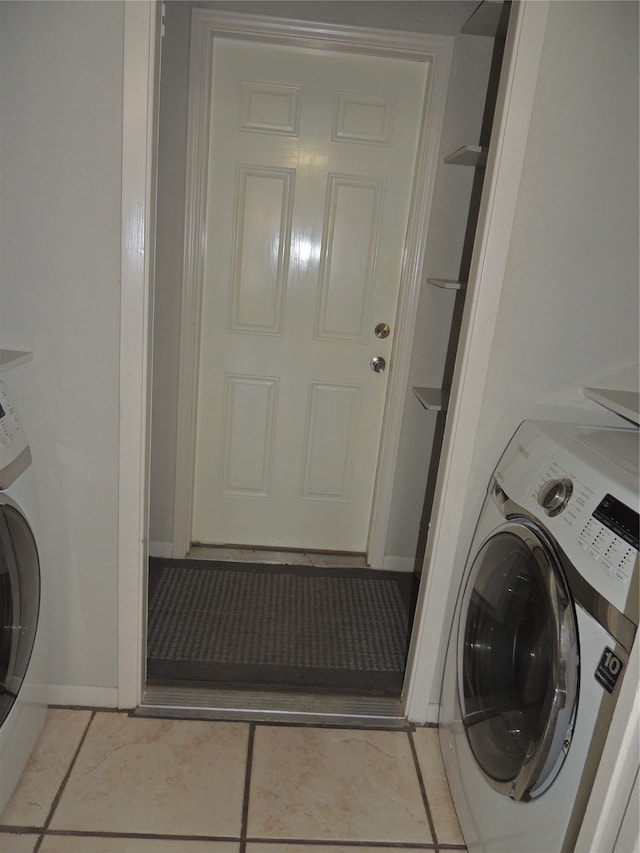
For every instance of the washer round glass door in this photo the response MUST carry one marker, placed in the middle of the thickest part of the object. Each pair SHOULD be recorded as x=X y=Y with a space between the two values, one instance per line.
x=19 y=601
x=518 y=661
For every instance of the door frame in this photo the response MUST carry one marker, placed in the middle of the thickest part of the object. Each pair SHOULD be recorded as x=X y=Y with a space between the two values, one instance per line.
x=443 y=565
x=143 y=22
x=434 y=50
x=141 y=85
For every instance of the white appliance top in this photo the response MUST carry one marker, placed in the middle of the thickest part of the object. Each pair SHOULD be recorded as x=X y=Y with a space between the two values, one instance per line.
x=15 y=456
x=588 y=476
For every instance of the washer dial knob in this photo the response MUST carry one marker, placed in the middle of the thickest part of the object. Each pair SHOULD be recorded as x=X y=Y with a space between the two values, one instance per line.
x=555 y=495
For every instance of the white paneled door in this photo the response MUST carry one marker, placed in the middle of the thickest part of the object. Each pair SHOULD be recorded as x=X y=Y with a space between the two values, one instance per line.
x=310 y=168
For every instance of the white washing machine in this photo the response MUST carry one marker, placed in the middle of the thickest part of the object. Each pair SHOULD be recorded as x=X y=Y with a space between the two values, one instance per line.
x=540 y=640
x=23 y=647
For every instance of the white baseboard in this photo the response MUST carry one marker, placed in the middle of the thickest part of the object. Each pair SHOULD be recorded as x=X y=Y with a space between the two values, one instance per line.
x=398 y=564
x=161 y=549
x=83 y=697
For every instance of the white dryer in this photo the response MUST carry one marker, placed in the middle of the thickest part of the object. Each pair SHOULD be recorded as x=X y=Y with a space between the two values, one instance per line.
x=541 y=635
x=23 y=648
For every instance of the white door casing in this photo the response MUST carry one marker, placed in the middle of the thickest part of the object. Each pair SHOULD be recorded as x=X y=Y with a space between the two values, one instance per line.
x=444 y=560
x=254 y=391
x=310 y=168
x=141 y=75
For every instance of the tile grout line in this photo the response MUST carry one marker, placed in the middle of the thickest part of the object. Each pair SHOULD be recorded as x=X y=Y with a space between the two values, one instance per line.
x=133 y=835
x=63 y=784
x=423 y=791
x=247 y=789
x=343 y=844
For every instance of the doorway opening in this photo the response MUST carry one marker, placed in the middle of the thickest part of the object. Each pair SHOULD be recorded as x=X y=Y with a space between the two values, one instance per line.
x=300 y=581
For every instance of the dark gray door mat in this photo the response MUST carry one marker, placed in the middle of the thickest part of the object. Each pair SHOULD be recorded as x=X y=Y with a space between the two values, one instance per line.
x=246 y=625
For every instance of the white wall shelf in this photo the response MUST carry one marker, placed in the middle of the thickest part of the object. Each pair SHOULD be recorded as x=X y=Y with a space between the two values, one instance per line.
x=623 y=403
x=468 y=155
x=431 y=398
x=10 y=358
x=447 y=283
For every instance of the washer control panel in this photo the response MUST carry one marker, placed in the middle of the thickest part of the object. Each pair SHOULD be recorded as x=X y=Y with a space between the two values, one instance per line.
x=597 y=530
x=580 y=483
x=13 y=439
x=610 y=537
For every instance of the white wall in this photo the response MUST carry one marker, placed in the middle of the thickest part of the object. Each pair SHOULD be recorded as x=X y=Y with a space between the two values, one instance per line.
x=569 y=311
x=463 y=116
x=60 y=150
x=568 y=315
x=628 y=840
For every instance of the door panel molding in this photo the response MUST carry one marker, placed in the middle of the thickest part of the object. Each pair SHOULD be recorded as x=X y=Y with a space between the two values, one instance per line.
x=332 y=415
x=358 y=201
x=269 y=108
x=434 y=50
x=263 y=198
x=250 y=408
x=363 y=118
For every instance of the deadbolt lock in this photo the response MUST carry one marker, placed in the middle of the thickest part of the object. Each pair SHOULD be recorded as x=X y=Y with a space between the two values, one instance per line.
x=382 y=330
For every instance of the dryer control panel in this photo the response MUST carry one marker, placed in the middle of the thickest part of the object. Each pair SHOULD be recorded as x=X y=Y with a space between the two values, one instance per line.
x=14 y=447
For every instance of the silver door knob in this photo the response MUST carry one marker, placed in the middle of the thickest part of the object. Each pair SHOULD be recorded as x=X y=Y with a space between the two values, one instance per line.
x=378 y=364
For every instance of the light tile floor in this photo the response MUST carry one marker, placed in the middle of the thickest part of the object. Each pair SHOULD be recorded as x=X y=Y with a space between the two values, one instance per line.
x=105 y=782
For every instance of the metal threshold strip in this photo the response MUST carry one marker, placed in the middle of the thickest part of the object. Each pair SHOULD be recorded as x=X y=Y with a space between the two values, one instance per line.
x=279 y=706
